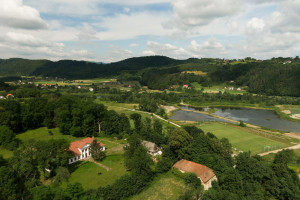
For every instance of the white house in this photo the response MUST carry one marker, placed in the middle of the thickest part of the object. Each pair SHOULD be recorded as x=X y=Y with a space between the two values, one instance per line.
x=91 y=89
x=205 y=174
x=81 y=149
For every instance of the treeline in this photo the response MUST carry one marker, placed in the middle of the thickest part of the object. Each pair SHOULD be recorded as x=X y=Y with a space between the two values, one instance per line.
x=74 y=116
x=267 y=77
x=21 y=174
x=160 y=79
x=190 y=95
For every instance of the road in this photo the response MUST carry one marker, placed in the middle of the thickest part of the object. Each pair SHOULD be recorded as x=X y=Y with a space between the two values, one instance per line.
x=276 y=151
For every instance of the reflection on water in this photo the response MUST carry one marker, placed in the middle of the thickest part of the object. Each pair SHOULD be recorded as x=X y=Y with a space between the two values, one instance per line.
x=264 y=118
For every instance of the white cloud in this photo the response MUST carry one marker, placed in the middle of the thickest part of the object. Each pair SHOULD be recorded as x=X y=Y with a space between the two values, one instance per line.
x=168 y=50
x=255 y=25
x=115 y=54
x=131 y=26
x=134 y=45
x=14 y=14
x=287 y=18
x=210 y=48
x=192 y=13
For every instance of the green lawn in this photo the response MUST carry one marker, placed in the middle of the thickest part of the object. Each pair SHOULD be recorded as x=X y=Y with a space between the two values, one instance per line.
x=166 y=186
x=43 y=134
x=241 y=138
x=5 y=153
x=87 y=172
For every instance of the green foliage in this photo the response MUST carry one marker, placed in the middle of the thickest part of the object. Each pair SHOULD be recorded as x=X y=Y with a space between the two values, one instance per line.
x=242 y=124
x=6 y=135
x=75 y=191
x=62 y=174
x=96 y=151
x=178 y=142
x=137 y=119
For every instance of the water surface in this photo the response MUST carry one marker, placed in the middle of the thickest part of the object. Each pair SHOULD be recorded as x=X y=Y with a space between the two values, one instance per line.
x=264 y=118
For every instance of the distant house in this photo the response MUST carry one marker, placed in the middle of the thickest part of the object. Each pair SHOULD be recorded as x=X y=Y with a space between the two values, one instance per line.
x=205 y=174
x=238 y=89
x=79 y=87
x=91 y=89
x=152 y=148
x=2 y=97
x=231 y=88
x=9 y=96
x=185 y=86
x=81 y=149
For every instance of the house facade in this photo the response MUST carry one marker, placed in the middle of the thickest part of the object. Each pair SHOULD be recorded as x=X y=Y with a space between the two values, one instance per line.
x=205 y=174
x=81 y=149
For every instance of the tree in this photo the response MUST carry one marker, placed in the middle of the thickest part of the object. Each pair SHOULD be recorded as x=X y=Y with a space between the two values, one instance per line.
x=137 y=119
x=75 y=191
x=62 y=174
x=157 y=127
x=124 y=124
x=96 y=151
x=179 y=141
x=6 y=135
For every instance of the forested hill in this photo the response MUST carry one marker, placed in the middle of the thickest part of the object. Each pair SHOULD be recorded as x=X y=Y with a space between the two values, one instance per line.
x=79 y=69
x=19 y=66
x=277 y=76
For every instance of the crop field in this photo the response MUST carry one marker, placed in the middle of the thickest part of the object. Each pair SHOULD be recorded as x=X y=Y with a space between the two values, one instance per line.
x=242 y=138
x=166 y=186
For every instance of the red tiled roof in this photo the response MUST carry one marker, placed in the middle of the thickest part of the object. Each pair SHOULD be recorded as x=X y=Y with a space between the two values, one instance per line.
x=203 y=172
x=8 y=95
x=80 y=143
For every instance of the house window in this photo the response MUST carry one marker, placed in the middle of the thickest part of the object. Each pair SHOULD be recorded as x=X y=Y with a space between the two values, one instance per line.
x=71 y=159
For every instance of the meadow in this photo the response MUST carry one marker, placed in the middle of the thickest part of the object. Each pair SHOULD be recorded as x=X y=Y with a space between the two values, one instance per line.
x=243 y=139
x=92 y=176
x=217 y=88
x=164 y=187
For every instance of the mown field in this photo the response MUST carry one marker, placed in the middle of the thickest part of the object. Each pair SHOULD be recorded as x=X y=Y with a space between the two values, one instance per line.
x=163 y=187
x=243 y=139
x=87 y=173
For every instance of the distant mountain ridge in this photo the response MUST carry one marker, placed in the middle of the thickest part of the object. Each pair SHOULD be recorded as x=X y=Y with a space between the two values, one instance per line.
x=78 y=69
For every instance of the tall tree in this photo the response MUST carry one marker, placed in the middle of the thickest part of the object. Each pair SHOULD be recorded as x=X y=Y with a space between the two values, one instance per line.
x=96 y=151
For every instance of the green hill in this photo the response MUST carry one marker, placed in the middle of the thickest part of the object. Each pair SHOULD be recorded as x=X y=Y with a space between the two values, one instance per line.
x=19 y=66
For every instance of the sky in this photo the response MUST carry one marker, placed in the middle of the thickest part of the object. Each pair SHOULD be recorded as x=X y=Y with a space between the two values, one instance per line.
x=113 y=30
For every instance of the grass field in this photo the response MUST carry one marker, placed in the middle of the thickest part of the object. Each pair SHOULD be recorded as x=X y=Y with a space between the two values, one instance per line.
x=166 y=186
x=5 y=153
x=216 y=88
x=241 y=138
x=42 y=134
x=87 y=172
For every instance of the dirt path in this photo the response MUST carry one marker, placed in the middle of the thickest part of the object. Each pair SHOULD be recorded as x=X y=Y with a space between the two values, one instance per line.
x=99 y=164
x=276 y=151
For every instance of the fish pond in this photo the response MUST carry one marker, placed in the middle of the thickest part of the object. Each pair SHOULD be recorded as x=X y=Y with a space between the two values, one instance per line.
x=259 y=117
